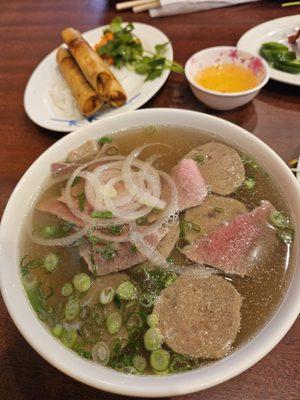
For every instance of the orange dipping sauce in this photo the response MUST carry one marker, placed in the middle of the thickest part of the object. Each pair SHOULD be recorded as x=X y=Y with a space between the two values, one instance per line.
x=226 y=78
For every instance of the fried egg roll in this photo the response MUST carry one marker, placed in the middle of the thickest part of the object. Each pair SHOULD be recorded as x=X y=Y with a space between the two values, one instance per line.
x=86 y=97
x=94 y=68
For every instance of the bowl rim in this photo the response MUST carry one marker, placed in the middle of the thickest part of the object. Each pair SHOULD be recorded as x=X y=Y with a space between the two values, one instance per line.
x=103 y=378
x=229 y=94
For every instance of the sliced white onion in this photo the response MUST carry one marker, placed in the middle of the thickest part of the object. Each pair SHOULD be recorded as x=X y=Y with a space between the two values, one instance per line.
x=170 y=211
x=146 y=248
x=125 y=214
x=143 y=196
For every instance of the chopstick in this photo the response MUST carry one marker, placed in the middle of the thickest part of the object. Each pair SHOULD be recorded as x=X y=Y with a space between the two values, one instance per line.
x=138 y=5
x=146 y=7
x=133 y=3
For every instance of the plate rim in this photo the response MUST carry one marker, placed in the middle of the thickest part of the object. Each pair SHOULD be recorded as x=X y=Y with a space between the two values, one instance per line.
x=240 y=46
x=160 y=82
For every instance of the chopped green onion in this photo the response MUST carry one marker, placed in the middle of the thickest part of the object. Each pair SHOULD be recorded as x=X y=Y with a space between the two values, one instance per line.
x=45 y=291
x=112 y=151
x=128 y=369
x=113 y=322
x=93 y=239
x=43 y=314
x=133 y=248
x=48 y=231
x=139 y=363
x=246 y=160
x=57 y=330
x=67 y=289
x=98 y=314
x=170 y=260
x=219 y=210
x=84 y=354
x=30 y=282
x=191 y=226
x=115 y=229
x=67 y=226
x=101 y=214
x=68 y=337
x=134 y=321
x=152 y=320
x=249 y=183
x=51 y=261
x=117 y=302
x=147 y=300
x=286 y=235
x=108 y=253
x=87 y=333
x=72 y=309
x=127 y=291
x=104 y=139
x=152 y=339
x=81 y=201
x=142 y=221
x=84 y=312
x=160 y=359
x=279 y=220
x=75 y=181
x=106 y=296
x=199 y=159
x=100 y=353
x=82 y=282
x=162 y=373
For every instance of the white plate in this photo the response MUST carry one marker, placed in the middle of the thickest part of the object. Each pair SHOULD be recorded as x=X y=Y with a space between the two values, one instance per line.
x=38 y=102
x=276 y=30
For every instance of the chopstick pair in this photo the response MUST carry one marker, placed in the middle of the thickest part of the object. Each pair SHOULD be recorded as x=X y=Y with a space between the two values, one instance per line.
x=138 y=5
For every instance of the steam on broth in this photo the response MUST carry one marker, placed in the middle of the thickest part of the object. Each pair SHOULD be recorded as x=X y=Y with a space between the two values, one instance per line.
x=165 y=271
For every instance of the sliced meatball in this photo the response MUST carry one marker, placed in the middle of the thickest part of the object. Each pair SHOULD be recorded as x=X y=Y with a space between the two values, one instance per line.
x=220 y=165
x=214 y=211
x=199 y=317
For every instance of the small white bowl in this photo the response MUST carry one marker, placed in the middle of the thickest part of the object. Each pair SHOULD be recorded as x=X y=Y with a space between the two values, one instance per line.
x=225 y=55
x=104 y=378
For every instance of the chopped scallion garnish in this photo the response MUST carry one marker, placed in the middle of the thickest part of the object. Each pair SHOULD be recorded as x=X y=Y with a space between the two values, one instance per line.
x=82 y=282
x=81 y=201
x=279 y=220
x=249 y=183
x=101 y=214
x=104 y=139
x=199 y=159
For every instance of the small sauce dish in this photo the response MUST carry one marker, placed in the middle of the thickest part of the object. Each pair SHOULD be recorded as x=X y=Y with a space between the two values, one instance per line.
x=224 y=78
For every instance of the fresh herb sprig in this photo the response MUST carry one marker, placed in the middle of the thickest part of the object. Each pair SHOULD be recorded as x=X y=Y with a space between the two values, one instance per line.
x=126 y=49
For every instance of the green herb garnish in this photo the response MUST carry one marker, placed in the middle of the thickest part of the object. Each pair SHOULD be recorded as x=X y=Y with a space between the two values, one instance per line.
x=101 y=214
x=104 y=139
x=115 y=229
x=108 y=253
x=81 y=201
x=199 y=159
x=183 y=225
x=142 y=221
x=133 y=248
x=75 y=181
x=124 y=48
